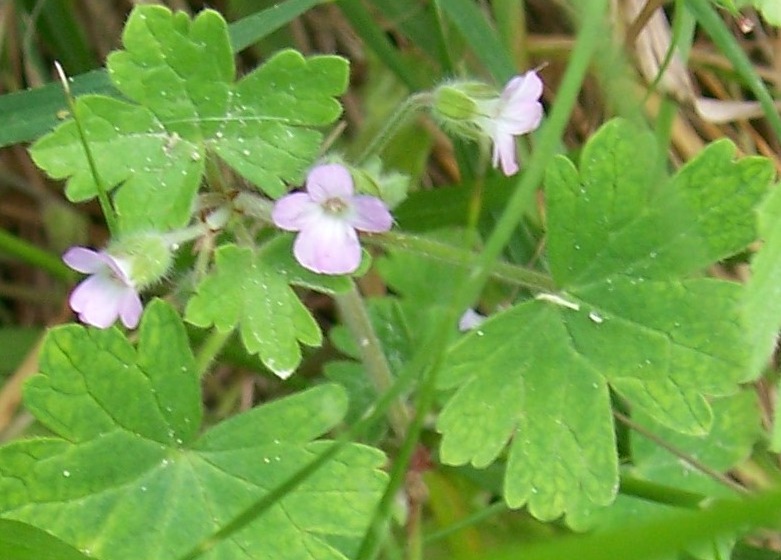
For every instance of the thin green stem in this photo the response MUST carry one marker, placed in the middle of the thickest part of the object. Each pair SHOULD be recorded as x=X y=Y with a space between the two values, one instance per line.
x=404 y=111
x=375 y=534
x=211 y=347
x=186 y=234
x=682 y=455
x=355 y=316
x=475 y=207
x=103 y=199
x=660 y=493
x=252 y=205
x=474 y=519
x=709 y=19
x=507 y=272
x=260 y=208
x=34 y=255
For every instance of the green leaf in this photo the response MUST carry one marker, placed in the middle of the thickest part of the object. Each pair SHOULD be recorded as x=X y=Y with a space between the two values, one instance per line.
x=130 y=477
x=534 y=386
x=25 y=115
x=264 y=135
x=180 y=70
x=181 y=73
x=245 y=290
x=771 y=11
x=736 y=428
x=19 y=541
x=157 y=171
x=762 y=301
x=626 y=318
x=704 y=214
x=763 y=292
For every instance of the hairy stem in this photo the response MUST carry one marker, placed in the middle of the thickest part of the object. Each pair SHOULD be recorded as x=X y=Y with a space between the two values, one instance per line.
x=260 y=208
x=105 y=203
x=209 y=350
x=404 y=111
x=355 y=316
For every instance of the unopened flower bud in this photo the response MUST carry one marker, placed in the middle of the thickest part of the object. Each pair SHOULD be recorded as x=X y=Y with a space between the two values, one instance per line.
x=148 y=255
x=389 y=186
x=457 y=106
x=474 y=110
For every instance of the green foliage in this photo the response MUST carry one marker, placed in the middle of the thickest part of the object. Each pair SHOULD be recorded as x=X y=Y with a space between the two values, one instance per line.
x=250 y=289
x=19 y=541
x=26 y=115
x=762 y=303
x=181 y=75
x=653 y=539
x=129 y=476
x=470 y=21
x=629 y=316
x=763 y=294
x=736 y=428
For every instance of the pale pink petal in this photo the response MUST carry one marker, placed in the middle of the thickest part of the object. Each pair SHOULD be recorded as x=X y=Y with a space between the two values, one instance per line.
x=370 y=214
x=522 y=89
x=294 y=211
x=84 y=260
x=120 y=269
x=504 y=154
x=96 y=300
x=520 y=119
x=328 y=247
x=329 y=181
x=130 y=308
x=470 y=319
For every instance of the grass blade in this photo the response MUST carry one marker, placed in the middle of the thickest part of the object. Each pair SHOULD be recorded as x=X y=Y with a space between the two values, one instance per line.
x=709 y=19
x=483 y=40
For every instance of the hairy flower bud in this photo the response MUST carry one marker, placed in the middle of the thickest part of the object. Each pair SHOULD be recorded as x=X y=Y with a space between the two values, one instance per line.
x=148 y=255
x=474 y=110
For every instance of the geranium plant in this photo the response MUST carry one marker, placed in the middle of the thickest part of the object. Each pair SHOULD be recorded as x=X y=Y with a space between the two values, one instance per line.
x=584 y=360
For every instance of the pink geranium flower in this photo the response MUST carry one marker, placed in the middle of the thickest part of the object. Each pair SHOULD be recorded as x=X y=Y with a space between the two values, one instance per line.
x=469 y=320
x=516 y=111
x=107 y=294
x=327 y=216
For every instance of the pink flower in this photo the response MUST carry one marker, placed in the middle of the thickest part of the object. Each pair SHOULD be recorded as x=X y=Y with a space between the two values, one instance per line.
x=107 y=294
x=470 y=319
x=327 y=216
x=517 y=111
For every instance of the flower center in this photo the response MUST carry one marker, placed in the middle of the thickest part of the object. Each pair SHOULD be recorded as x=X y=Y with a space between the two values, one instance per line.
x=335 y=206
